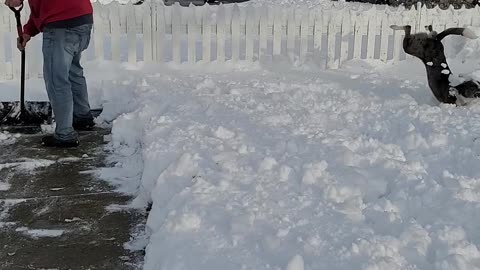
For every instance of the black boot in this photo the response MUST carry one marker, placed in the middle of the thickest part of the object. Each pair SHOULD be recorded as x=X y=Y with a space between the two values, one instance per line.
x=51 y=141
x=83 y=124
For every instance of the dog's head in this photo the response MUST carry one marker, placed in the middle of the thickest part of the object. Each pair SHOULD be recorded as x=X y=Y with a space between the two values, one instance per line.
x=426 y=46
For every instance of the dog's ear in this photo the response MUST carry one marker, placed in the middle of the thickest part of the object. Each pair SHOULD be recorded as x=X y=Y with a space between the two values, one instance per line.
x=406 y=28
x=430 y=32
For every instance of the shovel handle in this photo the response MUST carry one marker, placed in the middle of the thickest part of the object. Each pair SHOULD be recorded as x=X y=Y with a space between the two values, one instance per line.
x=19 y=22
x=20 y=39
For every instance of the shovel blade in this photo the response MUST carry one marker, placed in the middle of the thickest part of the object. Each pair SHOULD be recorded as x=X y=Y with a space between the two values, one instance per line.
x=36 y=113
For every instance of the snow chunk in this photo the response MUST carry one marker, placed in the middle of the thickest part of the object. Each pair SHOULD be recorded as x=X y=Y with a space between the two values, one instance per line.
x=28 y=164
x=445 y=71
x=429 y=63
x=184 y=165
x=284 y=173
x=296 y=263
x=223 y=133
x=7 y=138
x=4 y=186
x=267 y=164
x=313 y=172
x=469 y=33
x=443 y=65
x=40 y=233
x=184 y=223
x=206 y=84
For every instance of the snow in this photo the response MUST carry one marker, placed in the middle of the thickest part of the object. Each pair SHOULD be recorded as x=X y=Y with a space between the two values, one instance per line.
x=281 y=168
x=270 y=166
x=40 y=233
x=4 y=186
x=6 y=205
x=24 y=165
x=7 y=137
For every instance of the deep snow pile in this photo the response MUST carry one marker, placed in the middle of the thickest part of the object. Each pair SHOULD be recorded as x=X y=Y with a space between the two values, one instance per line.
x=279 y=168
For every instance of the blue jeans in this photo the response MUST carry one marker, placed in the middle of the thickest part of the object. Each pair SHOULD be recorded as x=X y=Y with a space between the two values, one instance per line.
x=63 y=74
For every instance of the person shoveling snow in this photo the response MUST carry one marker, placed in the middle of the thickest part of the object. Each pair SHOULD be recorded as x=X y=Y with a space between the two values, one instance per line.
x=66 y=27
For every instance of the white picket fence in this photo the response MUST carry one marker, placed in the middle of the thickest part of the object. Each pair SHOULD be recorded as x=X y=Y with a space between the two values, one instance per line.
x=153 y=32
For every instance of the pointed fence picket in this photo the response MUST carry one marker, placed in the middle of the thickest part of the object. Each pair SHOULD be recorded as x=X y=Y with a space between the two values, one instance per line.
x=4 y=29
x=153 y=32
x=251 y=24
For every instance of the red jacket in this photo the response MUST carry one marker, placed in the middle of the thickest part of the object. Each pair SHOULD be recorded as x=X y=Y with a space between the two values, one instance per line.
x=48 y=11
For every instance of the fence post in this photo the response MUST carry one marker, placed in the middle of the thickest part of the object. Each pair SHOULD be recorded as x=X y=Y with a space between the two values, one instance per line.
x=131 y=34
x=466 y=16
x=115 y=30
x=359 y=29
x=333 y=29
x=160 y=33
x=262 y=46
x=207 y=35
x=176 y=32
x=397 y=38
x=304 y=31
x=192 y=29
x=291 y=35
x=372 y=32
x=345 y=35
x=221 y=23
x=235 y=22
x=98 y=32
x=318 y=35
x=277 y=31
x=250 y=24
x=3 y=30
x=476 y=16
x=147 y=28
x=385 y=32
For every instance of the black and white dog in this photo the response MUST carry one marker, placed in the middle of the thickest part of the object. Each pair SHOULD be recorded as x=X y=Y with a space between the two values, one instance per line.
x=428 y=47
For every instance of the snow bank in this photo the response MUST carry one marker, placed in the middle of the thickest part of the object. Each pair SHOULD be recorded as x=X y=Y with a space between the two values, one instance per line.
x=300 y=169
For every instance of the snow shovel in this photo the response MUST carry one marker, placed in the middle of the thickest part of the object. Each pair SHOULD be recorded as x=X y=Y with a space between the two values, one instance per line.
x=21 y=113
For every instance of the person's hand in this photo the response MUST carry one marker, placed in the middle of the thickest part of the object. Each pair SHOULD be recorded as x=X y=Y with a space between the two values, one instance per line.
x=21 y=45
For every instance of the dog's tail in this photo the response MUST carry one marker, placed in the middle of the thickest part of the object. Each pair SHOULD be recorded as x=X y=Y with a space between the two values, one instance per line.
x=406 y=28
x=460 y=31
